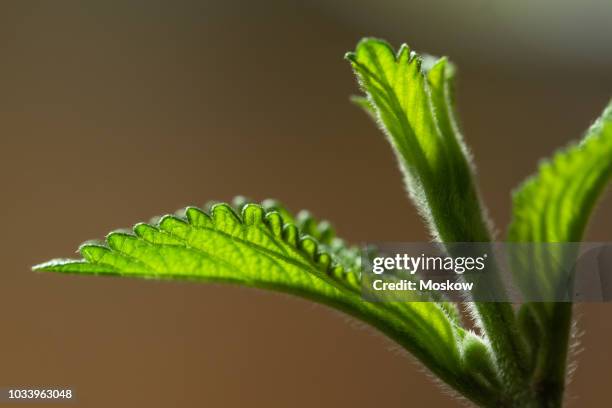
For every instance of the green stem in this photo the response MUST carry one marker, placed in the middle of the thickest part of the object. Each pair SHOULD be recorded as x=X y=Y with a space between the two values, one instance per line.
x=549 y=377
x=499 y=321
x=496 y=319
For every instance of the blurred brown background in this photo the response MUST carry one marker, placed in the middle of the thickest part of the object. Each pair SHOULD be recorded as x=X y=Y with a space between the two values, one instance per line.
x=112 y=112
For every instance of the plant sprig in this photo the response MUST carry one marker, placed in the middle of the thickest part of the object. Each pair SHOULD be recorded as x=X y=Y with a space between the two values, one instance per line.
x=516 y=359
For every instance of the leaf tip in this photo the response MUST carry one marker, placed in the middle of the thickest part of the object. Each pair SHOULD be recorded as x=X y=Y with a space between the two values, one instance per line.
x=56 y=265
x=350 y=56
x=44 y=266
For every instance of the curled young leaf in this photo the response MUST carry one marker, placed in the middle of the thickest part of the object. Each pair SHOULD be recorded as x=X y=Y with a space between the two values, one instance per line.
x=411 y=97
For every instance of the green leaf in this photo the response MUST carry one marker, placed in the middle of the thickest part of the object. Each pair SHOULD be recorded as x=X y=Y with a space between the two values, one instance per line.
x=262 y=246
x=257 y=248
x=555 y=206
x=411 y=97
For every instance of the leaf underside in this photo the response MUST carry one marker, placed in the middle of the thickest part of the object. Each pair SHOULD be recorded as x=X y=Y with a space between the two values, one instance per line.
x=264 y=246
x=255 y=247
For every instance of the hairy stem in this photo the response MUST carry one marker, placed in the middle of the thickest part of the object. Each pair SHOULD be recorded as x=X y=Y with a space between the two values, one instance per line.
x=549 y=377
x=496 y=319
